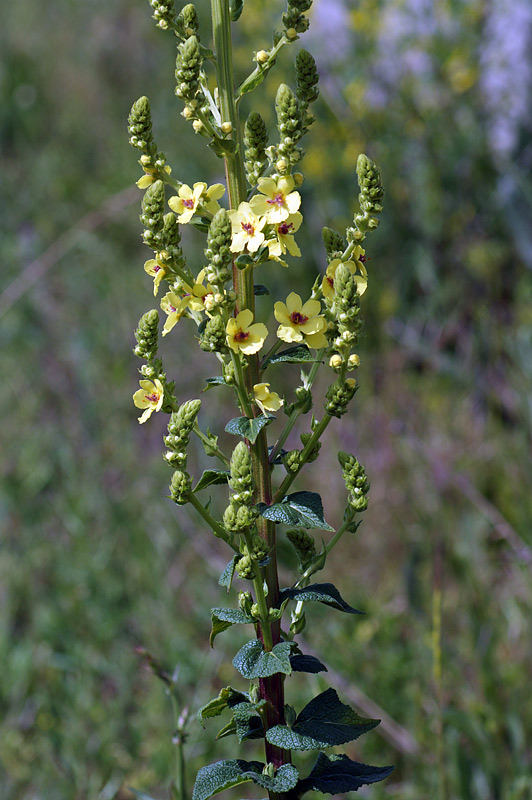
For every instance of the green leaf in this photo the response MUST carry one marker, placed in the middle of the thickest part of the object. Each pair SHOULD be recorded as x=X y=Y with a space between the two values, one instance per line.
x=292 y=355
x=211 y=477
x=252 y=661
x=249 y=428
x=285 y=779
x=324 y=722
x=326 y=593
x=302 y=663
x=337 y=774
x=222 y=775
x=300 y=508
x=223 y=618
x=247 y=721
x=216 y=380
x=236 y=7
x=244 y=260
x=227 y=698
x=259 y=289
x=226 y=578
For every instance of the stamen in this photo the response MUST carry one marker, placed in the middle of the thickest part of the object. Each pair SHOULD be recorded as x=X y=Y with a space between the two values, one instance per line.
x=276 y=200
x=285 y=227
x=248 y=228
x=298 y=318
x=241 y=336
x=189 y=203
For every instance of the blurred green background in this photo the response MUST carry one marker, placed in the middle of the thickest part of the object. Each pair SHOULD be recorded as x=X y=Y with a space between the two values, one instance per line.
x=95 y=561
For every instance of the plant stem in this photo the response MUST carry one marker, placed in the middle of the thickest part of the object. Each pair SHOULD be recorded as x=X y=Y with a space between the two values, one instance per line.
x=271 y=689
x=205 y=439
x=288 y=481
x=217 y=529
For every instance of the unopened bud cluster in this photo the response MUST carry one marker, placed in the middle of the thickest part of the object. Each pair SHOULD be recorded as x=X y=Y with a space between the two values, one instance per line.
x=152 y=216
x=344 y=313
x=339 y=395
x=356 y=481
x=292 y=460
x=290 y=128
x=370 y=198
x=187 y=74
x=147 y=335
x=180 y=427
x=187 y=22
x=240 y=514
x=255 y=143
x=333 y=242
x=163 y=13
x=303 y=544
x=307 y=91
x=294 y=20
x=213 y=336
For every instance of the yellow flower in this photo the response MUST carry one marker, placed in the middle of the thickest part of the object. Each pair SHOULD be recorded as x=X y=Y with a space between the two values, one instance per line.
x=301 y=323
x=241 y=335
x=149 y=397
x=327 y=284
x=276 y=199
x=200 y=298
x=188 y=200
x=151 y=174
x=266 y=400
x=285 y=240
x=246 y=229
x=174 y=306
x=156 y=268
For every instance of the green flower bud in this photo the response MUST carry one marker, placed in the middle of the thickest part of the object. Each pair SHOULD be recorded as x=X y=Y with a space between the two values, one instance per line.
x=180 y=487
x=176 y=460
x=218 y=253
x=306 y=77
x=294 y=19
x=333 y=242
x=229 y=373
x=298 y=625
x=245 y=602
x=164 y=13
x=291 y=460
x=290 y=126
x=140 y=127
x=245 y=568
x=314 y=453
x=152 y=214
x=147 y=335
x=339 y=395
x=213 y=338
x=181 y=425
x=255 y=143
x=303 y=543
x=187 y=22
x=259 y=548
x=356 y=481
x=371 y=194
x=172 y=241
x=241 y=469
x=188 y=67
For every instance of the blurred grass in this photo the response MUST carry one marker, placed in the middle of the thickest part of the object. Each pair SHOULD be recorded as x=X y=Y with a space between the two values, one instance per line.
x=95 y=561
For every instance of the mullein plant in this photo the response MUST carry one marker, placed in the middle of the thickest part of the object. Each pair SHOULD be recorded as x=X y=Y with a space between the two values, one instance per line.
x=258 y=228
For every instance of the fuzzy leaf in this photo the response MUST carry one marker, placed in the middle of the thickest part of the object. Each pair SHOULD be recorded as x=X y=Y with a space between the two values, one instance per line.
x=291 y=355
x=300 y=508
x=337 y=774
x=216 y=380
x=260 y=289
x=228 y=697
x=247 y=721
x=301 y=663
x=325 y=593
x=324 y=722
x=222 y=775
x=211 y=477
x=252 y=661
x=248 y=428
x=226 y=578
x=286 y=778
x=223 y=618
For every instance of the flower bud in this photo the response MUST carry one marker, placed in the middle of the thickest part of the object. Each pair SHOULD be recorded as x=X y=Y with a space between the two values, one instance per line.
x=147 y=335
x=336 y=361
x=180 y=487
x=262 y=56
x=226 y=127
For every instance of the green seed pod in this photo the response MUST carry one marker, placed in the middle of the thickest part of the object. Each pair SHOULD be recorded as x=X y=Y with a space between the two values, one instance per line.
x=152 y=214
x=188 y=68
x=218 y=253
x=140 y=127
x=307 y=77
x=213 y=338
x=339 y=395
x=255 y=143
x=187 y=22
x=147 y=335
x=303 y=543
x=163 y=13
x=333 y=242
x=180 y=487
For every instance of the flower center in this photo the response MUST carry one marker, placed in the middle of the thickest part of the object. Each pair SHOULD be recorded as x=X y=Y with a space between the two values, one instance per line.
x=152 y=398
x=157 y=269
x=240 y=335
x=285 y=227
x=276 y=200
x=330 y=281
x=248 y=228
x=189 y=202
x=298 y=318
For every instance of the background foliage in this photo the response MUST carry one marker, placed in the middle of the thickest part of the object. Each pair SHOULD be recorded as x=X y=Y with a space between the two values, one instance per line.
x=94 y=561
